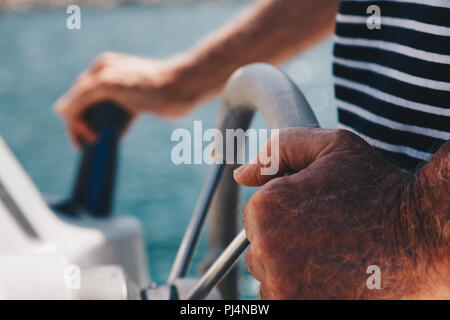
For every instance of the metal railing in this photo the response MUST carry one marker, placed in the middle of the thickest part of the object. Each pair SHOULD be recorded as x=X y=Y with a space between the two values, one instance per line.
x=259 y=87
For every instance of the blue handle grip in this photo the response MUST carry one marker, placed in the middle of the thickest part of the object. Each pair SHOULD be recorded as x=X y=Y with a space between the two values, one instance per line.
x=94 y=187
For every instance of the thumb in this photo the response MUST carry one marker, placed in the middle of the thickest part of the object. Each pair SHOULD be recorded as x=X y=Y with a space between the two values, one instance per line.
x=293 y=150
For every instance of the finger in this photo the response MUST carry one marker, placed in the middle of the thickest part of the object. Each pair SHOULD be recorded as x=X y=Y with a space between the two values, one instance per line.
x=84 y=92
x=84 y=131
x=80 y=132
x=254 y=266
x=264 y=293
x=297 y=148
x=260 y=211
x=61 y=105
x=103 y=60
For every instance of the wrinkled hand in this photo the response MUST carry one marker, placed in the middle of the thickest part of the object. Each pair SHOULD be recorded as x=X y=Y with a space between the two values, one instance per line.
x=314 y=232
x=137 y=84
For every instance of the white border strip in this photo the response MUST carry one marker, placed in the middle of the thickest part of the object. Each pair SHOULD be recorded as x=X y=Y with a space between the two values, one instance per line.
x=394 y=47
x=391 y=147
x=398 y=22
x=390 y=123
x=394 y=74
x=391 y=98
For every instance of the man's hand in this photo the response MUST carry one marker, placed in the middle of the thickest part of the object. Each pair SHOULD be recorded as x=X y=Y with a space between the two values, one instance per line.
x=270 y=31
x=137 y=84
x=343 y=207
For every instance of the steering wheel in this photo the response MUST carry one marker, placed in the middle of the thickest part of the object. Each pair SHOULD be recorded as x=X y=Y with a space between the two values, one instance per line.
x=253 y=87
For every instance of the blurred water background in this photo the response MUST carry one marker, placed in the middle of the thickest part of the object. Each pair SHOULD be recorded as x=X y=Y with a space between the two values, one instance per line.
x=39 y=59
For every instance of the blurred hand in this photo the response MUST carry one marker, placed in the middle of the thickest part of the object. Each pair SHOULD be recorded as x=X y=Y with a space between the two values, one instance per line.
x=314 y=232
x=137 y=84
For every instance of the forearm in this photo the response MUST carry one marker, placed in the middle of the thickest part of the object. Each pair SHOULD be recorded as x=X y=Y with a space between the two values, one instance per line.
x=270 y=31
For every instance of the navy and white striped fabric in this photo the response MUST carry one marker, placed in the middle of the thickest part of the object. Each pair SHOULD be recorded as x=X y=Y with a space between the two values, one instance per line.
x=392 y=84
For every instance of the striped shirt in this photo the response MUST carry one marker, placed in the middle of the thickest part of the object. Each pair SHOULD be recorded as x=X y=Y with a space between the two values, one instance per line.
x=392 y=84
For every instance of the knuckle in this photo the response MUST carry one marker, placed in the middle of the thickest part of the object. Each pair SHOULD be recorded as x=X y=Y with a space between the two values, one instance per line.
x=263 y=248
x=276 y=135
x=285 y=135
x=102 y=60
x=348 y=138
x=255 y=266
x=258 y=202
x=98 y=64
x=59 y=105
x=256 y=218
x=264 y=205
x=289 y=131
x=274 y=186
x=249 y=259
x=343 y=135
x=107 y=55
x=102 y=79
